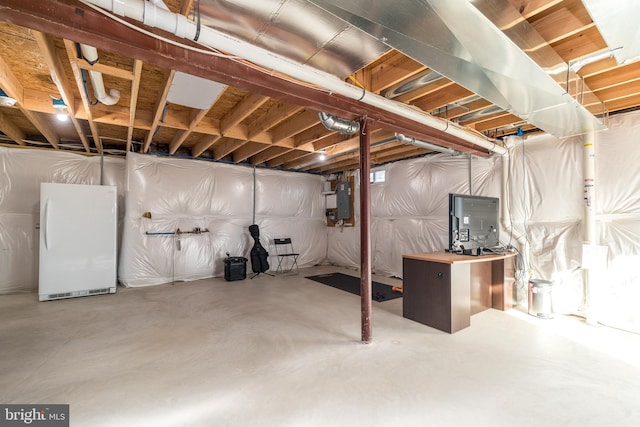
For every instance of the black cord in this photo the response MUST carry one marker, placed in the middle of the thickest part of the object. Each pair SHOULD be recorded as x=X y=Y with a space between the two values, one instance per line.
x=197 y=36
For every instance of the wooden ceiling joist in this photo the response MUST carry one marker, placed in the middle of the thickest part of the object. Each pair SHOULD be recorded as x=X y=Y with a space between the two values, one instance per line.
x=11 y=130
x=133 y=101
x=262 y=117
x=241 y=111
x=204 y=144
x=14 y=89
x=59 y=77
x=100 y=31
x=182 y=135
x=268 y=154
x=159 y=109
x=80 y=83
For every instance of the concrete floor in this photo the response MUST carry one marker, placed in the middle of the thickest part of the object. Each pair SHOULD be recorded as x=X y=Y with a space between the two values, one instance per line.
x=285 y=351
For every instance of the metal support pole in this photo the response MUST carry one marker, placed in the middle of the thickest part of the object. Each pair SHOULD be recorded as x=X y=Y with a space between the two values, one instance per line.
x=365 y=225
x=254 y=195
x=102 y=167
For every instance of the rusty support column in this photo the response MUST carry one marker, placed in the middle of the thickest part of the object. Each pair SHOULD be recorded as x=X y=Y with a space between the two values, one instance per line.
x=365 y=226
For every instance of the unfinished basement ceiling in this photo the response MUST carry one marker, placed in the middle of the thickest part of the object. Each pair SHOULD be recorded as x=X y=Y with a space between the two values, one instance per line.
x=255 y=121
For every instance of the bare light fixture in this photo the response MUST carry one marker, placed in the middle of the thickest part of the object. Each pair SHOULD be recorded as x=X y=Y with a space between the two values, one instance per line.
x=6 y=100
x=322 y=155
x=60 y=106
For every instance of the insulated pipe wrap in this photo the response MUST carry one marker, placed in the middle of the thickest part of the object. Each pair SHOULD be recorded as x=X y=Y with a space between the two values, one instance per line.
x=217 y=40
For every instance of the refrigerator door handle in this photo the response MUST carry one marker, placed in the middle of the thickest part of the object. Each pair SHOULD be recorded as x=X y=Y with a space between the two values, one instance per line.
x=45 y=225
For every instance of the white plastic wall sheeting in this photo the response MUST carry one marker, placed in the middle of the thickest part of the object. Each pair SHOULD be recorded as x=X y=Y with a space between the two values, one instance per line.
x=184 y=194
x=291 y=205
x=23 y=171
x=409 y=211
x=554 y=205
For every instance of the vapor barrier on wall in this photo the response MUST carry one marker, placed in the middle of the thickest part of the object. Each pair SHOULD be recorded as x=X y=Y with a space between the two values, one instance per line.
x=165 y=195
x=22 y=171
x=544 y=209
x=409 y=211
x=546 y=181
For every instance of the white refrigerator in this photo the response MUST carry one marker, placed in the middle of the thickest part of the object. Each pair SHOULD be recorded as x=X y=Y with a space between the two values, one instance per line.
x=78 y=237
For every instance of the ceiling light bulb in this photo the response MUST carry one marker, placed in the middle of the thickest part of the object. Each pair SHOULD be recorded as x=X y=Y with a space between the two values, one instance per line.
x=61 y=109
x=322 y=156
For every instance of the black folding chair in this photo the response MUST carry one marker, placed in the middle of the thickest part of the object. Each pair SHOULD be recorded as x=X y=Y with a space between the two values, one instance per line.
x=284 y=251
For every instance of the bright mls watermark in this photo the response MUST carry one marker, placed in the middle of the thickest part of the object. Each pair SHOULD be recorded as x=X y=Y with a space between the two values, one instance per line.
x=34 y=415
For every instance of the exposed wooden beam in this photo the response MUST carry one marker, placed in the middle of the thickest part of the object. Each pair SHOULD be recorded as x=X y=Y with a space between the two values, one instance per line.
x=105 y=69
x=248 y=150
x=295 y=125
x=453 y=112
x=14 y=89
x=11 y=130
x=248 y=105
x=226 y=147
x=619 y=91
x=286 y=158
x=75 y=20
x=312 y=134
x=425 y=90
x=562 y=23
x=334 y=139
x=579 y=45
x=441 y=98
x=181 y=136
x=395 y=68
x=349 y=161
x=86 y=103
x=276 y=114
x=529 y=8
x=411 y=152
x=59 y=77
x=352 y=162
x=268 y=154
x=502 y=120
x=301 y=161
x=186 y=6
x=133 y=101
x=161 y=103
x=619 y=76
x=204 y=144
x=10 y=83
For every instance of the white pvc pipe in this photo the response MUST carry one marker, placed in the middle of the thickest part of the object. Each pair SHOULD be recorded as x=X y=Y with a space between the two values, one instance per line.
x=90 y=54
x=589 y=219
x=505 y=219
x=179 y=25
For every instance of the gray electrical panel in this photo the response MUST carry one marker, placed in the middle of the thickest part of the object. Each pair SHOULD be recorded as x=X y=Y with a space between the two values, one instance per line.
x=343 y=191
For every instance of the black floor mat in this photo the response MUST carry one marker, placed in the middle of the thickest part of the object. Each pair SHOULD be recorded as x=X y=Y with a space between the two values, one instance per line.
x=379 y=291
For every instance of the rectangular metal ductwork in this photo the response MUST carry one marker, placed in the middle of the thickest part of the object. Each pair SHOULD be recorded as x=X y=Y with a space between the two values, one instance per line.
x=295 y=29
x=481 y=46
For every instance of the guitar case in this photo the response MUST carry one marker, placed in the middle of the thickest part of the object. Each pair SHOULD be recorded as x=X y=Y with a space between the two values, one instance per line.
x=259 y=255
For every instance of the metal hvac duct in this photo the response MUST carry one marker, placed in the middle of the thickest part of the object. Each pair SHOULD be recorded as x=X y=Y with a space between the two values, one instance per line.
x=343 y=126
x=423 y=144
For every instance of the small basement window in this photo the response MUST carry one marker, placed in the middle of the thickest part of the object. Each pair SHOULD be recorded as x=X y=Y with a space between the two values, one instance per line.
x=377 y=176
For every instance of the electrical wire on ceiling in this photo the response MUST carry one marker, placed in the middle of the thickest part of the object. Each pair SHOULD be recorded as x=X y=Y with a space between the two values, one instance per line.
x=84 y=77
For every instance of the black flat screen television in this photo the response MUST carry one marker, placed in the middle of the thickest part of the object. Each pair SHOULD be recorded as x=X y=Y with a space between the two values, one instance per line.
x=473 y=224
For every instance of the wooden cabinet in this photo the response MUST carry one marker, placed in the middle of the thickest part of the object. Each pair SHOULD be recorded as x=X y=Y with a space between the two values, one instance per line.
x=444 y=290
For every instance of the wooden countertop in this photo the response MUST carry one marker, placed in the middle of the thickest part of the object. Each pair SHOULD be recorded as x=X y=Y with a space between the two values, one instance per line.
x=450 y=258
